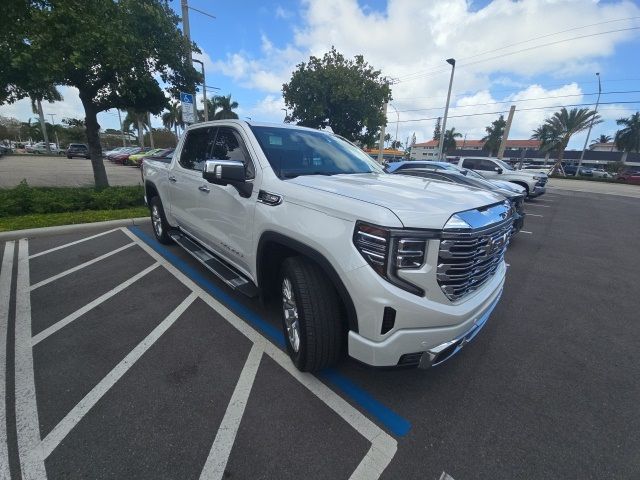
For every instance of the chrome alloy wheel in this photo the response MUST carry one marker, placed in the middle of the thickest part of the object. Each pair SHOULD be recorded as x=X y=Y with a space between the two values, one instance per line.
x=157 y=220
x=290 y=311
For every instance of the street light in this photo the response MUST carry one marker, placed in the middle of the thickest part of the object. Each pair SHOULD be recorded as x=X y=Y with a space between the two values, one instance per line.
x=286 y=114
x=204 y=90
x=452 y=62
x=590 y=126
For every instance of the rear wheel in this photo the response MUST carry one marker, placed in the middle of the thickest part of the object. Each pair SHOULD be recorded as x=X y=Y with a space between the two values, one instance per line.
x=159 y=222
x=69 y=156
x=311 y=315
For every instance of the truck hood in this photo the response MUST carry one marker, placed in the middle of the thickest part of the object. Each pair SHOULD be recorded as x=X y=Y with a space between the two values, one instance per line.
x=417 y=202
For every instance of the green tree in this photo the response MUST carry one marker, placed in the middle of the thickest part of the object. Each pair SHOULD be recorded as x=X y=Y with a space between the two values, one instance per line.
x=333 y=91
x=628 y=138
x=493 y=138
x=601 y=139
x=449 y=143
x=396 y=144
x=548 y=139
x=387 y=139
x=172 y=118
x=437 y=130
x=567 y=123
x=112 y=51
x=226 y=106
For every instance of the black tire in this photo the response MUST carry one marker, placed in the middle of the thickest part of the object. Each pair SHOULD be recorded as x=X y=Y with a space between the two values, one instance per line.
x=159 y=222
x=69 y=157
x=317 y=305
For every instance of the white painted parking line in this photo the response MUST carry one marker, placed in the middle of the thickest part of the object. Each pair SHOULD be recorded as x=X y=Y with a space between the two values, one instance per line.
x=383 y=445
x=63 y=428
x=524 y=231
x=533 y=215
x=5 y=296
x=27 y=422
x=81 y=266
x=73 y=243
x=226 y=436
x=81 y=311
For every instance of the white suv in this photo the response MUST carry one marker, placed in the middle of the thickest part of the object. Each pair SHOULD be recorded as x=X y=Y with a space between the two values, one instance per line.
x=496 y=169
x=395 y=270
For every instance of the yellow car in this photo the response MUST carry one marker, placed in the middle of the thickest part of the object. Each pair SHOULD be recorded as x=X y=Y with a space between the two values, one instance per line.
x=136 y=158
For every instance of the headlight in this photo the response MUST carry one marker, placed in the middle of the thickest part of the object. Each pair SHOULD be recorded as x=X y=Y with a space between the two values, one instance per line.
x=538 y=177
x=389 y=250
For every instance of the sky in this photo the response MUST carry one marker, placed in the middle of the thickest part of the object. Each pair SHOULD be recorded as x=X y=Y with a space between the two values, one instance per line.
x=535 y=54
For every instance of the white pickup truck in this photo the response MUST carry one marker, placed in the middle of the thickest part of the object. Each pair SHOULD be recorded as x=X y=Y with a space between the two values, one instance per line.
x=393 y=270
x=496 y=169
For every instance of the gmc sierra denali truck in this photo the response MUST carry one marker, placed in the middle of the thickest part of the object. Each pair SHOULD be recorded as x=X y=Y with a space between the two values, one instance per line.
x=393 y=270
x=496 y=169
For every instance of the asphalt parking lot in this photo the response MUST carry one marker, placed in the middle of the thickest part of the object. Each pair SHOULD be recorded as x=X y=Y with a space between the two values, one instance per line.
x=126 y=359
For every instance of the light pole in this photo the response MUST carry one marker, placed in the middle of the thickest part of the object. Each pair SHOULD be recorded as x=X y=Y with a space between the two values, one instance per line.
x=204 y=90
x=397 y=122
x=53 y=123
x=590 y=126
x=452 y=62
x=286 y=114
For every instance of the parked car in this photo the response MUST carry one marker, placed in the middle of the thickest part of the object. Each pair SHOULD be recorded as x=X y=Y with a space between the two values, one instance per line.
x=119 y=151
x=77 y=150
x=445 y=172
x=134 y=159
x=572 y=169
x=123 y=157
x=630 y=177
x=600 y=173
x=41 y=147
x=113 y=151
x=398 y=270
x=496 y=169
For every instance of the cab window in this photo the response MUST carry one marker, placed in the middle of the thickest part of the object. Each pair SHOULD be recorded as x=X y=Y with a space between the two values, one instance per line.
x=229 y=146
x=197 y=148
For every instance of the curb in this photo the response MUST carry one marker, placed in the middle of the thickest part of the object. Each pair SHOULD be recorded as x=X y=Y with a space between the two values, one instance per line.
x=79 y=227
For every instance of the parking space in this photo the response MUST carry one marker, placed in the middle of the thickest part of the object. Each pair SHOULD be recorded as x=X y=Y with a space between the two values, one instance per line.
x=125 y=359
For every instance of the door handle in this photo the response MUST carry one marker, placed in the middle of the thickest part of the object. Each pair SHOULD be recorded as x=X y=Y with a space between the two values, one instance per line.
x=173 y=179
x=204 y=188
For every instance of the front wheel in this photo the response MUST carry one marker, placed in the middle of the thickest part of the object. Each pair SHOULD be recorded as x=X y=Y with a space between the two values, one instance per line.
x=311 y=315
x=159 y=221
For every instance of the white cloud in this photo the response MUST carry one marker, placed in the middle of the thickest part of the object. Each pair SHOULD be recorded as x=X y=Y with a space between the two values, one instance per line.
x=283 y=13
x=410 y=39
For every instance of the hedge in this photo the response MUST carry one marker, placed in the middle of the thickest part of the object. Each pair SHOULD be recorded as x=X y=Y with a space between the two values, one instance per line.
x=23 y=199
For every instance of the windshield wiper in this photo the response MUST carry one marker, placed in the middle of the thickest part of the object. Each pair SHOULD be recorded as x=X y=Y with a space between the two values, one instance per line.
x=294 y=175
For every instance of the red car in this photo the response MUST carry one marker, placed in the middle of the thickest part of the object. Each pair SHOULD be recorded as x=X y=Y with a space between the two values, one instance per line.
x=122 y=158
x=630 y=177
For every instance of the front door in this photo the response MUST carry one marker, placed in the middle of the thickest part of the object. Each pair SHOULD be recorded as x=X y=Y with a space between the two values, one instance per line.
x=227 y=216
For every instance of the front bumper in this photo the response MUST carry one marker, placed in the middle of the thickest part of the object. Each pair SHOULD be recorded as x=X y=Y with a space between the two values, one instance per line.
x=537 y=191
x=518 y=222
x=440 y=325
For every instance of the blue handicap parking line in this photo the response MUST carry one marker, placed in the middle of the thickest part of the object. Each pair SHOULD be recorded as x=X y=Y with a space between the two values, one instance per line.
x=387 y=417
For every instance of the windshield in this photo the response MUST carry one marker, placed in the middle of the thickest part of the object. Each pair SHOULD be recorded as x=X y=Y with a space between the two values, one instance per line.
x=504 y=165
x=294 y=152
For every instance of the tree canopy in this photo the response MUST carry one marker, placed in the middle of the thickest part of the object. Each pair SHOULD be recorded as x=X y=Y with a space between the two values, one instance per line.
x=495 y=131
x=333 y=91
x=112 y=51
x=628 y=137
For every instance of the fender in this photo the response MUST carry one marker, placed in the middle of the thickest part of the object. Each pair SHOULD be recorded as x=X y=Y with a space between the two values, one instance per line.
x=307 y=251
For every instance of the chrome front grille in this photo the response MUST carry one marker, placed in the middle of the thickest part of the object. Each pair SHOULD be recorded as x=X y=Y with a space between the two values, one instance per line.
x=467 y=259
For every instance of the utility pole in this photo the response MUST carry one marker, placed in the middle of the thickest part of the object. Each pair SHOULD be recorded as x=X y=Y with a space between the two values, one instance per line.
x=185 y=25
x=381 y=141
x=53 y=122
x=121 y=129
x=505 y=135
x=452 y=62
x=397 y=121
x=204 y=91
x=586 y=141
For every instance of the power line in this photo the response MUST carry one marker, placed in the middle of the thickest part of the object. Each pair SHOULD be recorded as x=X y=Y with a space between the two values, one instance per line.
x=519 y=101
x=531 y=40
x=438 y=72
x=520 y=110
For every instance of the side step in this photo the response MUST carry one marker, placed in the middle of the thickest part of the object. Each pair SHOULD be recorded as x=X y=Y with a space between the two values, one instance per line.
x=218 y=267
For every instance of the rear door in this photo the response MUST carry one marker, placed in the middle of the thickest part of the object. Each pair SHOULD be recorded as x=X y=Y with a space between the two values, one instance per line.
x=187 y=187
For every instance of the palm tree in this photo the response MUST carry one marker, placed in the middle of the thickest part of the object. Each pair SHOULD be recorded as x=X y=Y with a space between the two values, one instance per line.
x=50 y=94
x=172 y=118
x=601 y=139
x=226 y=108
x=567 y=123
x=493 y=139
x=140 y=119
x=628 y=138
x=548 y=140
x=449 y=143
